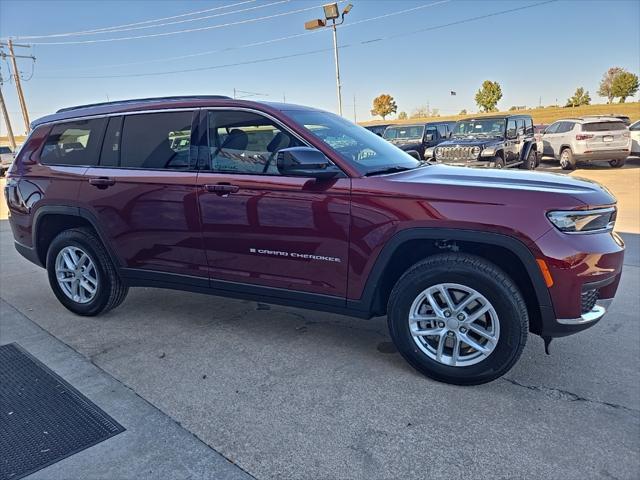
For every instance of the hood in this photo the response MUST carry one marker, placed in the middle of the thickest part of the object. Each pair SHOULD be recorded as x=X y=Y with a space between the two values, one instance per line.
x=552 y=190
x=405 y=143
x=471 y=142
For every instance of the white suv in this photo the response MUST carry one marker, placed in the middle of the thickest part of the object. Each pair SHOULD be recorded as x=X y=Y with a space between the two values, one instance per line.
x=635 y=139
x=587 y=139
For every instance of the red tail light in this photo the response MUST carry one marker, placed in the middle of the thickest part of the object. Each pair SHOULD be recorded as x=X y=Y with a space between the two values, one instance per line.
x=584 y=136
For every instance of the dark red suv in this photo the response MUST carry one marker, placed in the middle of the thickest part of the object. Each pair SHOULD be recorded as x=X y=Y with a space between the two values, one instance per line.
x=296 y=206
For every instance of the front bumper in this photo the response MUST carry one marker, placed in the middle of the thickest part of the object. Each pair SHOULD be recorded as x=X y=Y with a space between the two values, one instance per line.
x=586 y=271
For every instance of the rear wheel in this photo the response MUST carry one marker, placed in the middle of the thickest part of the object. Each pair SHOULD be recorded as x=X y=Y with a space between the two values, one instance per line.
x=567 y=162
x=617 y=163
x=81 y=273
x=458 y=319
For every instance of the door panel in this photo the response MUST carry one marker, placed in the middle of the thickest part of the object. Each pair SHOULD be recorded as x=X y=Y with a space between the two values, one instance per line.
x=150 y=218
x=145 y=194
x=277 y=231
x=260 y=227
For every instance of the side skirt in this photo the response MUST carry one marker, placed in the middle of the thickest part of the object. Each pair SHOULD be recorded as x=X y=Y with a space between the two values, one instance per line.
x=278 y=296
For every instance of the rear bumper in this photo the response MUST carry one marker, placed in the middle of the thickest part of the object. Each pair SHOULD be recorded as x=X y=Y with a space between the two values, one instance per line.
x=28 y=253
x=602 y=155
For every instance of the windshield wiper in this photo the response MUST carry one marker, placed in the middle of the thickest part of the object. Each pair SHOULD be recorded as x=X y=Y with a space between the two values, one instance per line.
x=382 y=171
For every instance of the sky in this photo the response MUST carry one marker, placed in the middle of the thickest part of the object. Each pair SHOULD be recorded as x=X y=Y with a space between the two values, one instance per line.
x=418 y=52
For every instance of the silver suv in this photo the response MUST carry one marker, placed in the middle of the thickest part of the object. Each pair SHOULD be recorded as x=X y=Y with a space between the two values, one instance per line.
x=587 y=139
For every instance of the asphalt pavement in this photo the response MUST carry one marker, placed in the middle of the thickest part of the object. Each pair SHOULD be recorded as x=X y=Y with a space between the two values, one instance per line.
x=293 y=394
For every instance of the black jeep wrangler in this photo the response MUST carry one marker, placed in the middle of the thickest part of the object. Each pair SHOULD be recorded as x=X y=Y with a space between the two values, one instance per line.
x=493 y=141
x=416 y=138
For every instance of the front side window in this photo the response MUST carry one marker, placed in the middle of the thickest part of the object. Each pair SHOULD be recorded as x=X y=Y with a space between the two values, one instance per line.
x=74 y=143
x=488 y=127
x=352 y=142
x=443 y=130
x=528 y=125
x=511 y=128
x=245 y=142
x=157 y=141
x=404 y=132
x=553 y=128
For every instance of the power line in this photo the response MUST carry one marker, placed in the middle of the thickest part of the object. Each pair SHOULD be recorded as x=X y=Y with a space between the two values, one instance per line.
x=108 y=29
x=176 y=32
x=312 y=52
x=253 y=44
x=197 y=19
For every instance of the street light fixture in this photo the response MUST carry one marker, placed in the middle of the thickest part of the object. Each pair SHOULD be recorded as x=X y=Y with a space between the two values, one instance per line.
x=332 y=12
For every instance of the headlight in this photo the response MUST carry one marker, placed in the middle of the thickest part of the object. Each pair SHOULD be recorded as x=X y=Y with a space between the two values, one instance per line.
x=475 y=151
x=584 y=221
x=489 y=152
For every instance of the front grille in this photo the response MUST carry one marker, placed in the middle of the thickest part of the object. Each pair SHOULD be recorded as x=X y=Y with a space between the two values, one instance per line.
x=588 y=300
x=455 y=153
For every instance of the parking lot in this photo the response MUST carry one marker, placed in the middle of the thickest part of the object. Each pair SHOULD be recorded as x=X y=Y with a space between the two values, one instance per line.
x=287 y=393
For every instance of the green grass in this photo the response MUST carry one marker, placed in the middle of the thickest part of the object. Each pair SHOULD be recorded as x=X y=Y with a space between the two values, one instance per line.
x=541 y=115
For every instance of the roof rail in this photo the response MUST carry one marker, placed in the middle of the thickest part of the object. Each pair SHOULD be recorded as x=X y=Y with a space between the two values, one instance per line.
x=151 y=99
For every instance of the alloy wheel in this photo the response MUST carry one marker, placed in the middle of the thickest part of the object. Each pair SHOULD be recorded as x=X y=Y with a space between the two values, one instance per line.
x=454 y=324
x=76 y=274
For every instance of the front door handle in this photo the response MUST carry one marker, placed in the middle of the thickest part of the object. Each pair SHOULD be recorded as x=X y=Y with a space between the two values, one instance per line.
x=102 y=182
x=222 y=189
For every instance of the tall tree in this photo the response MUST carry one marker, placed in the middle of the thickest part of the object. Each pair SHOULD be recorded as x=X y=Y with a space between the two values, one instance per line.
x=489 y=95
x=384 y=105
x=624 y=85
x=606 y=84
x=580 y=97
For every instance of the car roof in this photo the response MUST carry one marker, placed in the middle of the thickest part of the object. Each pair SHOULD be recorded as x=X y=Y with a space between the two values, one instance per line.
x=494 y=117
x=160 y=103
x=591 y=119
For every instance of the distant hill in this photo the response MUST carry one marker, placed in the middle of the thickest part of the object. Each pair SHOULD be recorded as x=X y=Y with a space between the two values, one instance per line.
x=545 y=115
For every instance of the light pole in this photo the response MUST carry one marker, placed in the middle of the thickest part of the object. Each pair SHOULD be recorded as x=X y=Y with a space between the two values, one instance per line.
x=331 y=12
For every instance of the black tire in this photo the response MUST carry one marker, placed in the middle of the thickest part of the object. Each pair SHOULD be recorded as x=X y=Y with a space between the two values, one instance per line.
x=498 y=162
x=110 y=293
x=487 y=279
x=531 y=162
x=567 y=162
x=618 y=163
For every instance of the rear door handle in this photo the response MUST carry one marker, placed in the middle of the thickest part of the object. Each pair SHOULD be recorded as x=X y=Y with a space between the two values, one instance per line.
x=222 y=189
x=102 y=182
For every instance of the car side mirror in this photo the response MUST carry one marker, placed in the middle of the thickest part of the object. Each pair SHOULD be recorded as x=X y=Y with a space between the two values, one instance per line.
x=305 y=162
x=511 y=133
x=428 y=137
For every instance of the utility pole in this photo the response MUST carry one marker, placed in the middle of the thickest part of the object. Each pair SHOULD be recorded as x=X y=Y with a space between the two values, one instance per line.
x=335 y=54
x=16 y=76
x=355 y=118
x=5 y=114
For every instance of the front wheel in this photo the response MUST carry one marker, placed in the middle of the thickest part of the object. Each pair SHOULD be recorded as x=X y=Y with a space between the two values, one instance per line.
x=498 y=162
x=531 y=162
x=81 y=273
x=458 y=319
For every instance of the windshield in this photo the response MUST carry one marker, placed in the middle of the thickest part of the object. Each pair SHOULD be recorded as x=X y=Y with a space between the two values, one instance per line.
x=409 y=131
x=352 y=142
x=489 y=127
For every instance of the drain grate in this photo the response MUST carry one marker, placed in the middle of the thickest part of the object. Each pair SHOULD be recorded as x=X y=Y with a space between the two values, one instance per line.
x=43 y=419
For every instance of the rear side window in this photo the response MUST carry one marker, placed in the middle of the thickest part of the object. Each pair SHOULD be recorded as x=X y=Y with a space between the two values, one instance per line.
x=74 y=143
x=565 y=127
x=603 y=126
x=157 y=141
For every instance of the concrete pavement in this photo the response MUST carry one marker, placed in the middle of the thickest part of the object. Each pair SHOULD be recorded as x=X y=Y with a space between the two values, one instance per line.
x=287 y=393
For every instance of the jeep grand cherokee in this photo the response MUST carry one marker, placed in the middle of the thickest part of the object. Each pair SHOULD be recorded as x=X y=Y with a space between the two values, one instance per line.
x=296 y=206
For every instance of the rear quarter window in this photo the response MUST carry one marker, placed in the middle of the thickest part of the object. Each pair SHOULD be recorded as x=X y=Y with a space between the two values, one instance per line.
x=74 y=143
x=603 y=126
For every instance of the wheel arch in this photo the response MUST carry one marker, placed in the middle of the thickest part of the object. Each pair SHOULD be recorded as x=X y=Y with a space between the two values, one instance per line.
x=410 y=246
x=51 y=220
